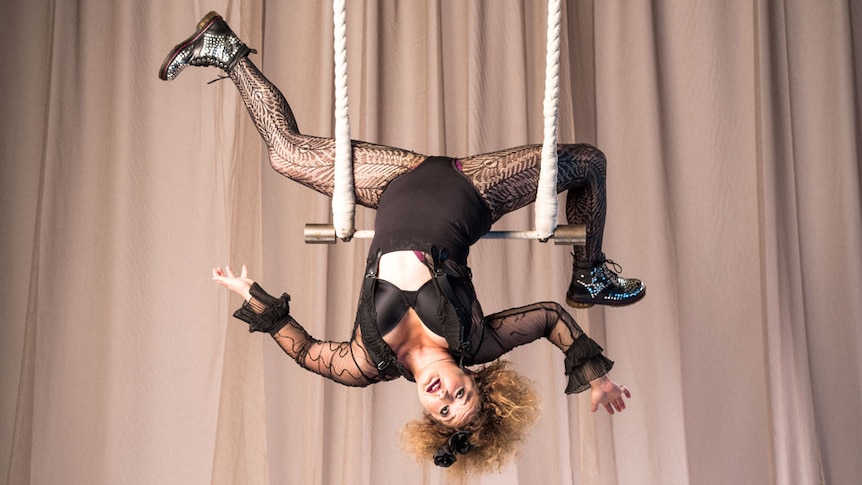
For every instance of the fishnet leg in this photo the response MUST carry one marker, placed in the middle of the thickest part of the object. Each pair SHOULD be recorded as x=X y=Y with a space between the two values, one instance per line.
x=310 y=160
x=508 y=181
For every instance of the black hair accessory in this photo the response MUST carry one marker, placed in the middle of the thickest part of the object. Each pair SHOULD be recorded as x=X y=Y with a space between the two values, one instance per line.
x=457 y=444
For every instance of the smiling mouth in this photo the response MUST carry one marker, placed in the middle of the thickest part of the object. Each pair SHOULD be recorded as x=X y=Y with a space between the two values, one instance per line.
x=434 y=386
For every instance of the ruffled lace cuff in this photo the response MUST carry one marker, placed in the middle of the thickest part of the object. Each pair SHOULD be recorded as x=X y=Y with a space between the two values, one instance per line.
x=584 y=363
x=264 y=312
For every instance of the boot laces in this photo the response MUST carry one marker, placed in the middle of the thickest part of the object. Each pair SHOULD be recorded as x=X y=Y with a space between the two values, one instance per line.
x=617 y=269
x=218 y=79
x=604 y=262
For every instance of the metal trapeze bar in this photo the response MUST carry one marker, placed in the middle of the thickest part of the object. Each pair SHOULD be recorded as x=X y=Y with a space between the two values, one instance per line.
x=565 y=234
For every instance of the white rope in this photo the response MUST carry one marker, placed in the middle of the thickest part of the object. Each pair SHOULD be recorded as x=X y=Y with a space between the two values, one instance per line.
x=547 y=204
x=343 y=198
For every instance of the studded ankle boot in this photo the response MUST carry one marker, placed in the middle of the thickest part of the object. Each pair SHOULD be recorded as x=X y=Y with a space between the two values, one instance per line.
x=212 y=44
x=593 y=283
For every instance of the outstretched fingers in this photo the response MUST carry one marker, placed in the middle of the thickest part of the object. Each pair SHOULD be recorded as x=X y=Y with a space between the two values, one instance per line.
x=618 y=404
x=610 y=396
x=238 y=284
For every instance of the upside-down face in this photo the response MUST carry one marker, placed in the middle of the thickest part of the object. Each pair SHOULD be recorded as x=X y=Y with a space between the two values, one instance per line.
x=448 y=393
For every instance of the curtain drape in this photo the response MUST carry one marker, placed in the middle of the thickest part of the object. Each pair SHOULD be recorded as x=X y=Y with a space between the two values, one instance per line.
x=732 y=131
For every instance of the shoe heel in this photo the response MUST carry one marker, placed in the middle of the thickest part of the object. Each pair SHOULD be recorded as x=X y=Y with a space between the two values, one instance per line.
x=575 y=304
x=207 y=19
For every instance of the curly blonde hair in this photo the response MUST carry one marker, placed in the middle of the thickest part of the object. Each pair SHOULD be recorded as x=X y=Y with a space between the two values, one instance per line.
x=508 y=411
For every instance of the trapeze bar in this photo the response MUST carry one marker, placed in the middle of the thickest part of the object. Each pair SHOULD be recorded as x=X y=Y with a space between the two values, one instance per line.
x=568 y=235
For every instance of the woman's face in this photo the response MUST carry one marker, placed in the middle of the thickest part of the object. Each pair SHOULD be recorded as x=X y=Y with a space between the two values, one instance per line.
x=448 y=393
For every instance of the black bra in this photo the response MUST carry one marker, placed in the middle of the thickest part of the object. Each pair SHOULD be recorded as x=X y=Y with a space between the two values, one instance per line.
x=392 y=303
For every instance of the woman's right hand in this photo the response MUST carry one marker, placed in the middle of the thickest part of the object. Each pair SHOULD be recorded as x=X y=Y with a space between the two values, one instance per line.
x=238 y=284
x=609 y=394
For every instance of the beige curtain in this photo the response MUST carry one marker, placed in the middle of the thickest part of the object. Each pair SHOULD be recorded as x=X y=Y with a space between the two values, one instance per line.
x=732 y=131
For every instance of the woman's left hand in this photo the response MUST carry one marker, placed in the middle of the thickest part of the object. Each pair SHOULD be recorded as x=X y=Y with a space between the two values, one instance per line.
x=609 y=394
x=238 y=284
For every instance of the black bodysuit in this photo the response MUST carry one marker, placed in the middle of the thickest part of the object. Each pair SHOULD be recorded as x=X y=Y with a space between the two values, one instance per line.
x=435 y=211
x=392 y=303
x=432 y=206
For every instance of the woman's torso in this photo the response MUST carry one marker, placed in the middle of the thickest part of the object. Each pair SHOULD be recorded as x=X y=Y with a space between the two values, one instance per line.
x=434 y=205
x=405 y=299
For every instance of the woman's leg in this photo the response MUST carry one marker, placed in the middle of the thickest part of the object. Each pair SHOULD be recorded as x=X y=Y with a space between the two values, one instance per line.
x=308 y=160
x=508 y=180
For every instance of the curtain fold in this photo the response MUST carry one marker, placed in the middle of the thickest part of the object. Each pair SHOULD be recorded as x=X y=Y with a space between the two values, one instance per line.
x=732 y=133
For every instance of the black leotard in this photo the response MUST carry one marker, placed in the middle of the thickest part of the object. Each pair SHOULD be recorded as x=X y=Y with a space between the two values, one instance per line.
x=391 y=303
x=416 y=213
x=432 y=205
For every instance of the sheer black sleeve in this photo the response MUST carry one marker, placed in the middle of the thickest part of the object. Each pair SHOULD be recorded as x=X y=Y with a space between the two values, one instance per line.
x=344 y=362
x=508 y=329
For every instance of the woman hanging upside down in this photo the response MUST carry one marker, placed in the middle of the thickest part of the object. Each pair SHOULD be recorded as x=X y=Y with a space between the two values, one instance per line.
x=418 y=314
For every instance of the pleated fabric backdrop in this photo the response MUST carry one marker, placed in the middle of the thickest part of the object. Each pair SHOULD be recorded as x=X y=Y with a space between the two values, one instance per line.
x=732 y=131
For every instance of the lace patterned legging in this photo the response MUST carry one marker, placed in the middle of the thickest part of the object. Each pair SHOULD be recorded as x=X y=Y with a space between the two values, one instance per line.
x=506 y=179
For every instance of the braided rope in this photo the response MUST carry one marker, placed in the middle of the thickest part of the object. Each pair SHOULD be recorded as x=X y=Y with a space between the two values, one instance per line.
x=547 y=204
x=343 y=197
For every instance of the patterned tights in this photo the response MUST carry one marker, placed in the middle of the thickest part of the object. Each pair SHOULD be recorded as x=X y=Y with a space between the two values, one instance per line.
x=506 y=179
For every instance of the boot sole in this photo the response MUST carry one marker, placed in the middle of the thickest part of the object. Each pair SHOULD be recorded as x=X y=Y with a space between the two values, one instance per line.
x=578 y=304
x=202 y=27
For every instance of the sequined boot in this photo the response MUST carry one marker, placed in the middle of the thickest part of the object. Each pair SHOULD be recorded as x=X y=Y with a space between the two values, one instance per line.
x=593 y=283
x=212 y=44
